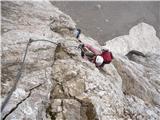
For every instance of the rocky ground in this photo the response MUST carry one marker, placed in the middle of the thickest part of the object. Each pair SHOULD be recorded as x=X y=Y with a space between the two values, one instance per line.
x=105 y=20
x=57 y=84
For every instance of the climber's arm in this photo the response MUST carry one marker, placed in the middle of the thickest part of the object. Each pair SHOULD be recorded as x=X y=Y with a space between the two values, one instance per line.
x=95 y=51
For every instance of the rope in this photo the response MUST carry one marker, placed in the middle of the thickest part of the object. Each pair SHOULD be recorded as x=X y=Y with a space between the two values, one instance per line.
x=18 y=76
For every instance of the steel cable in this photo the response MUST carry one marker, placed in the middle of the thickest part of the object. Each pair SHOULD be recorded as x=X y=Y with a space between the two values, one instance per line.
x=17 y=79
x=18 y=76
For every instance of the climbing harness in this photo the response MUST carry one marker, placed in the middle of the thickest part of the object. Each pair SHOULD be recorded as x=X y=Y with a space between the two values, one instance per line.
x=18 y=76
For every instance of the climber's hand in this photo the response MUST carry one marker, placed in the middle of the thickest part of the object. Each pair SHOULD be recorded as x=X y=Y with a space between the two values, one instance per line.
x=81 y=46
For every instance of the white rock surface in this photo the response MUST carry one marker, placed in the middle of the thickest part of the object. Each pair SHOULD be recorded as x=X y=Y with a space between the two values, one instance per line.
x=57 y=84
x=142 y=37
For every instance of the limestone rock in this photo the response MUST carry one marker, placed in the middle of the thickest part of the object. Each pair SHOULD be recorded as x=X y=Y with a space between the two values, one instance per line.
x=57 y=84
x=22 y=21
x=139 y=38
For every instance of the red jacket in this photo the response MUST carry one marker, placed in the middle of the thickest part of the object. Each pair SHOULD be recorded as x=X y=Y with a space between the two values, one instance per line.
x=107 y=55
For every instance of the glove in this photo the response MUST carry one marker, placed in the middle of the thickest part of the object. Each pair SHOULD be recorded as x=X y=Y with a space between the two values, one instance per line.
x=80 y=46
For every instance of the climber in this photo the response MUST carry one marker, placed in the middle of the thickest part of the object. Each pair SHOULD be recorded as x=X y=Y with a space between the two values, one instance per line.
x=100 y=58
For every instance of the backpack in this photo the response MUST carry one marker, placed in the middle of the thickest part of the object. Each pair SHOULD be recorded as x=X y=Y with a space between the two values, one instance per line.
x=107 y=56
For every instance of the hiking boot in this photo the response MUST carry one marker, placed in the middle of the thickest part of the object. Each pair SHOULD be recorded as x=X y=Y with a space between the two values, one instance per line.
x=77 y=32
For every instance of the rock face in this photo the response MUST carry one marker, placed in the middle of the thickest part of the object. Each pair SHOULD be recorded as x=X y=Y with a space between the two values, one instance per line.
x=57 y=84
x=139 y=38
